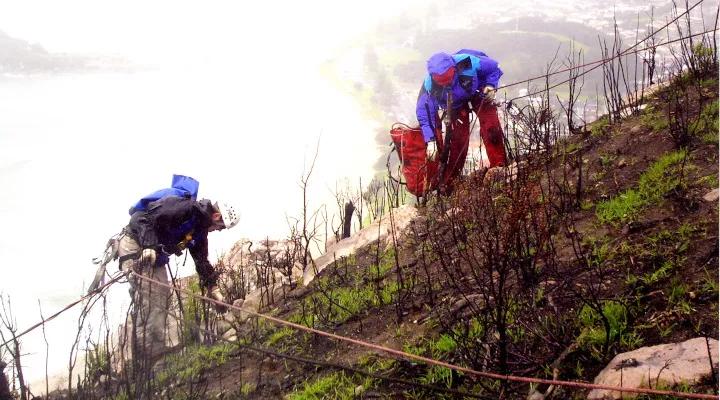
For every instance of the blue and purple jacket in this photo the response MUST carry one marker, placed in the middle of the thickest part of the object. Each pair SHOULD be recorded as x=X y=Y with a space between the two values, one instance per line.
x=475 y=70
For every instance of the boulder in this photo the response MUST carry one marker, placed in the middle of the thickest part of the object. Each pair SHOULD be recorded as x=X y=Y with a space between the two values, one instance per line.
x=258 y=299
x=271 y=258
x=222 y=326
x=379 y=229
x=658 y=366
x=230 y=335
x=712 y=196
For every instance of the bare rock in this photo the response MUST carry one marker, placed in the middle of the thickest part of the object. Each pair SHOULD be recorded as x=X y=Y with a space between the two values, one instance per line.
x=359 y=390
x=381 y=229
x=230 y=335
x=257 y=299
x=222 y=326
x=712 y=196
x=283 y=258
x=661 y=365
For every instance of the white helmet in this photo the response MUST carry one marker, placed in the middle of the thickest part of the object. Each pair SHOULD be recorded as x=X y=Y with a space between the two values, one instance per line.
x=230 y=216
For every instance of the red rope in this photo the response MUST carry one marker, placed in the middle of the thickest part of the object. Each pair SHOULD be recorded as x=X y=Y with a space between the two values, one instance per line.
x=67 y=307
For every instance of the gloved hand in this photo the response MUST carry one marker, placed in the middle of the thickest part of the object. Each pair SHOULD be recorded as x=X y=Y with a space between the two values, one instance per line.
x=148 y=257
x=215 y=294
x=489 y=93
x=431 y=150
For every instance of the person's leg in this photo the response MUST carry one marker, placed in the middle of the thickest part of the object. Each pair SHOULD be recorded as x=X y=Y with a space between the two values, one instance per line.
x=491 y=133
x=150 y=302
x=458 y=149
x=157 y=315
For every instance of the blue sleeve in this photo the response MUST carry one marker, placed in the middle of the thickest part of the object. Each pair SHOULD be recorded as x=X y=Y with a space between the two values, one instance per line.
x=489 y=73
x=426 y=108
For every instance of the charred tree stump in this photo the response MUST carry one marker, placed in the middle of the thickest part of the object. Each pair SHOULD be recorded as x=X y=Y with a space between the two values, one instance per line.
x=349 y=210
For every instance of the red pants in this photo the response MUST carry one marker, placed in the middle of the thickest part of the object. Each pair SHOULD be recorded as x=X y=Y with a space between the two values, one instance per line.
x=490 y=132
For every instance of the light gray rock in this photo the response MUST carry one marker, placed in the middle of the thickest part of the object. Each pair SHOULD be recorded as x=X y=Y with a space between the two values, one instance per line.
x=258 y=299
x=269 y=256
x=712 y=195
x=230 y=335
x=663 y=365
x=251 y=304
x=222 y=326
x=380 y=229
x=359 y=390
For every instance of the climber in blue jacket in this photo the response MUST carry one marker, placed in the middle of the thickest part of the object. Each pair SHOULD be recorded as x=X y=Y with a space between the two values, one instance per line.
x=472 y=77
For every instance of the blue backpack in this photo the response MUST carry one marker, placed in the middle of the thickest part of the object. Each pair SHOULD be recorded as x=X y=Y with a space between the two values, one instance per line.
x=181 y=186
x=471 y=52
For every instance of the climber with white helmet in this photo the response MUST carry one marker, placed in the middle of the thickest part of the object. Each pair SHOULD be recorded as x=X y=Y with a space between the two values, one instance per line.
x=164 y=223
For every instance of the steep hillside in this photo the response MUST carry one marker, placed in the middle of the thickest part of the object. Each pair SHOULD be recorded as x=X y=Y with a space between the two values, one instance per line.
x=602 y=244
x=590 y=245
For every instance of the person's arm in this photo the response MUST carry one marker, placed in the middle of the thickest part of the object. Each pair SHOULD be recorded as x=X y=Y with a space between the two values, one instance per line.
x=489 y=72
x=199 y=252
x=426 y=110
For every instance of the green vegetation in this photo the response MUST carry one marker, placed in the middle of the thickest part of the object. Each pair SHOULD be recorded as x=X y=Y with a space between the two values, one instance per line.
x=192 y=311
x=336 y=304
x=193 y=362
x=596 y=337
x=681 y=387
x=659 y=179
x=607 y=160
x=654 y=119
x=710 y=181
x=278 y=336
x=97 y=361
x=600 y=127
x=677 y=297
x=710 y=284
x=387 y=262
x=336 y=385
x=706 y=125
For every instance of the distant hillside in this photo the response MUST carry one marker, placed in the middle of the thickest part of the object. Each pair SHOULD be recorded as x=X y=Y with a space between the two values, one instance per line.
x=19 y=56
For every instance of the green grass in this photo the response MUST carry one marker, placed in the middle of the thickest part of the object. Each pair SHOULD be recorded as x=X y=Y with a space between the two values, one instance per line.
x=706 y=125
x=594 y=336
x=387 y=262
x=677 y=296
x=336 y=385
x=278 y=336
x=683 y=387
x=333 y=386
x=710 y=283
x=654 y=119
x=600 y=127
x=658 y=180
x=193 y=362
x=338 y=304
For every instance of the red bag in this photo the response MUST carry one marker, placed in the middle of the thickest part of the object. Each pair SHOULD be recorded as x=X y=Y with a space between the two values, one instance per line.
x=420 y=174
